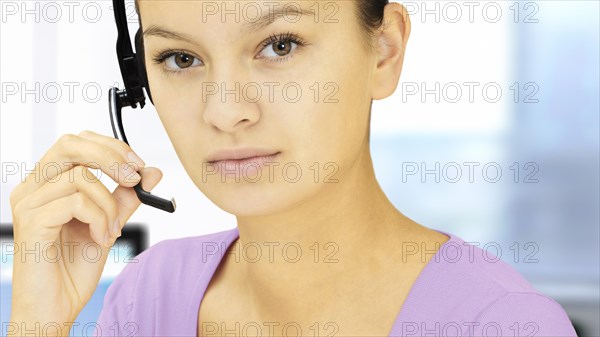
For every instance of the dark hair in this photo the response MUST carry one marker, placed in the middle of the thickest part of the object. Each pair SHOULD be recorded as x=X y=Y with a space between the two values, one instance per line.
x=370 y=18
x=369 y=14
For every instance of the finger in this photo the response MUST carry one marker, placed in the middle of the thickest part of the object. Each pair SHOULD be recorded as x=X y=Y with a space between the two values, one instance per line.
x=114 y=143
x=127 y=198
x=52 y=216
x=71 y=150
x=90 y=186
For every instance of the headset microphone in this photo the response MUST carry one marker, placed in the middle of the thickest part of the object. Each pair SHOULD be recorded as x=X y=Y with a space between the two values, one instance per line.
x=133 y=71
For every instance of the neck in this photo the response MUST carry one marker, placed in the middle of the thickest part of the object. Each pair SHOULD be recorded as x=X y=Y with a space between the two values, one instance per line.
x=309 y=251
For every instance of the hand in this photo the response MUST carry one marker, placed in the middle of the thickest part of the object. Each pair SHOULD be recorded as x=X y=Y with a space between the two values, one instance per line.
x=60 y=215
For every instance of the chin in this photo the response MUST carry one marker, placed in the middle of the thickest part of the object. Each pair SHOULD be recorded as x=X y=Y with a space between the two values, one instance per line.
x=257 y=200
x=252 y=207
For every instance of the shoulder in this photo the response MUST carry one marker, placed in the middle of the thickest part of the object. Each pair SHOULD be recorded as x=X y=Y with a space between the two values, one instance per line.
x=187 y=252
x=479 y=268
x=525 y=314
x=469 y=283
x=169 y=257
x=163 y=269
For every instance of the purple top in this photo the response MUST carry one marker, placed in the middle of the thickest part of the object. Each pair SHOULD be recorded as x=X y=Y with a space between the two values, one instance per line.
x=462 y=291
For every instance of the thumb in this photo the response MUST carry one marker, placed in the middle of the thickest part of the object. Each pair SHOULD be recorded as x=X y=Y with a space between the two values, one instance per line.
x=126 y=196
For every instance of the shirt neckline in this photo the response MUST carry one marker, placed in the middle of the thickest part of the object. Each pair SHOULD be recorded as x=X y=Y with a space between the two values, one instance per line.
x=233 y=234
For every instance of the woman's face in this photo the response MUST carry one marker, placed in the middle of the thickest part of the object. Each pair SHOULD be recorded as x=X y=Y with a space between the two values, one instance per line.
x=308 y=100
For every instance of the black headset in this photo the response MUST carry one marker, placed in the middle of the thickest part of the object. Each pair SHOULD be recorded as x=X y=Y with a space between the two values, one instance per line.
x=133 y=71
x=133 y=67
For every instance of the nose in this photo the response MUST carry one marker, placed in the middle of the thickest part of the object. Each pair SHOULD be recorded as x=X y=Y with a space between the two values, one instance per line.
x=227 y=106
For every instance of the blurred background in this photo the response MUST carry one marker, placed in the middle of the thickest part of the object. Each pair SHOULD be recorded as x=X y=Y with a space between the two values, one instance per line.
x=492 y=134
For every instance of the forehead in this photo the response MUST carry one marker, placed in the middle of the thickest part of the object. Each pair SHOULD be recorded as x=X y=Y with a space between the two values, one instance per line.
x=247 y=12
x=225 y=22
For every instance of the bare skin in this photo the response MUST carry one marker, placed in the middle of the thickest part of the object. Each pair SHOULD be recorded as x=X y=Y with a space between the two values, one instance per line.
x=57 y=217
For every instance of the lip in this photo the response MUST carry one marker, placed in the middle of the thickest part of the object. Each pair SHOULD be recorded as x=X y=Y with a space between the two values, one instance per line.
x=241 y=154
x=245 y=167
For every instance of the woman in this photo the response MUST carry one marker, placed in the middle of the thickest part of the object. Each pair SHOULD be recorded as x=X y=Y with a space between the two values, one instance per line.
x=318 y=247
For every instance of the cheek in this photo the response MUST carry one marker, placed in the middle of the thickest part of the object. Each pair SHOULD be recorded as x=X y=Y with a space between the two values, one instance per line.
x=321 y=133
x=330 y=122
x=339 y=122
x=178 y=116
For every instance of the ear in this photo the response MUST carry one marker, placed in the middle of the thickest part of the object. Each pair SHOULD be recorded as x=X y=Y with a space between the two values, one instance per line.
x=391 y=43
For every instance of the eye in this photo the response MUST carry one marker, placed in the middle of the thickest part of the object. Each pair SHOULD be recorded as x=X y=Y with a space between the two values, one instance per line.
x=277 y=47
x=175 y=61
x=180 y=61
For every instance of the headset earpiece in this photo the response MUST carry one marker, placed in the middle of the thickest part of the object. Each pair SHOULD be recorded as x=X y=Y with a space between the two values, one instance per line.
x=141 y=61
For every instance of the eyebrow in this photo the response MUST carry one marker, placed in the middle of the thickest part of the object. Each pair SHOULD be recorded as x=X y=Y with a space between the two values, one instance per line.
x=263 y=21
x=278 y=12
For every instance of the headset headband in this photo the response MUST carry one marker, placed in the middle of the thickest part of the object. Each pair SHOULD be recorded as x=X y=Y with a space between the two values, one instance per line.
x=132 y=66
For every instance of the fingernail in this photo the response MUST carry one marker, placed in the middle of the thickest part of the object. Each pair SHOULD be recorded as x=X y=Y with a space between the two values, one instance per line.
x=117 y=228
x=134 y=158
x=130 y=174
